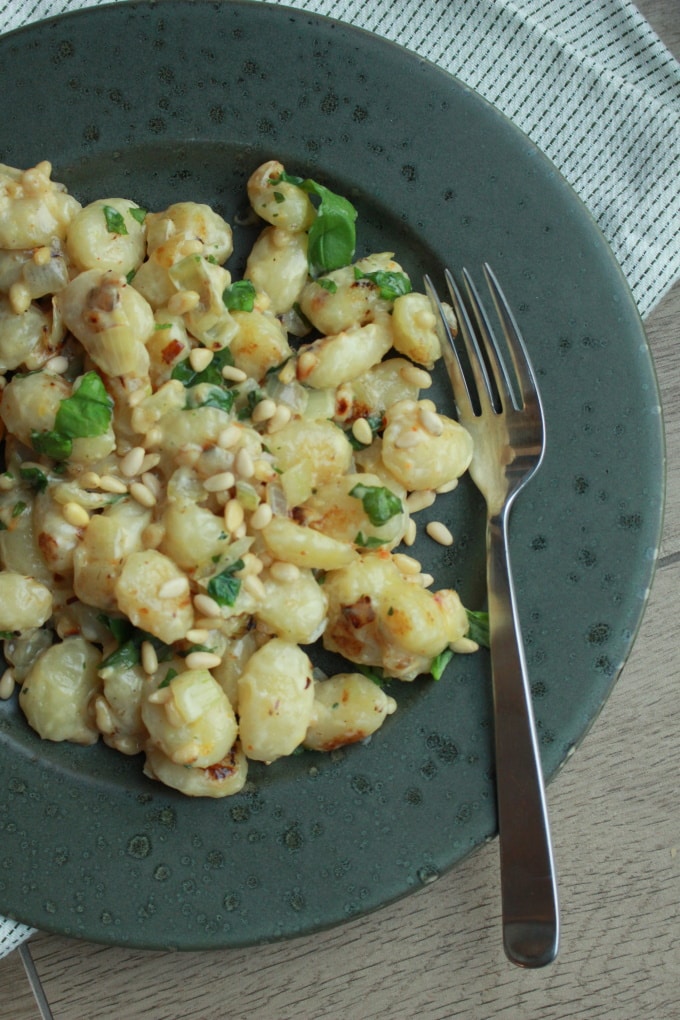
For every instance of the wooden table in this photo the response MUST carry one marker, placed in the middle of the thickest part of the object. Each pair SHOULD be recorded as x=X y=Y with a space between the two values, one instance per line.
x=437 y=954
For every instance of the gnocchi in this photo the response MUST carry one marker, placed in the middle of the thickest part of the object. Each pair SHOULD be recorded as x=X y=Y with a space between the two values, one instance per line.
x=204 y=477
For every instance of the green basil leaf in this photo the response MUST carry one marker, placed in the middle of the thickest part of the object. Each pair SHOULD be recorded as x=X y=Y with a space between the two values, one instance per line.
x=375 y=422
x=36 y=477
x=380 y=504
x=87 y=412
x=211 y=374
x=368 y=543
x=138 y=214
x=332 y=235
x=239 y=296
x=18 y=508
x=224 y=587
x=390 y=285
x=439 y=663
x=52 y=444
x=329 y=285
x=168 y=678
x=215 y=396
x=115 y=224
x=125 y=656
x=120 y=627
x=479 y=627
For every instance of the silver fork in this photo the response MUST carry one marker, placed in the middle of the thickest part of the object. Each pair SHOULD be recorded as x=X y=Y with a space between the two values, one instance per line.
x=505 y=419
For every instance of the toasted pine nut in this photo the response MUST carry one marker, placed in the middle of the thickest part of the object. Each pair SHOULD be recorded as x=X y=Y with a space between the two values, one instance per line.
x=409 y=439
x=42 y=256
x=143 y=494
x=109 y=483
x=153 y=437
x=89 y=480
x=307 y=362
x=153 y=535
x=243 y=464
x=261 y=517
x=431 y=421
x=200 y=358
x=19 y=297
x=229 y=437
x=132 y=461
x=282 y=571
x=202 y=660
x=160 y=696
x=464 y=646
x=287 y=373
x=416 y=376
x=263 y=410
x=280 y=418
x=362 y=432
x=447 y=487
x=207 y=606
x=219 y=482
x=183 y=301
x=103 y=715
x=233 y=374
x=425 y=580
x=420 y=500
x=187 y=456
x=149 y=658
x=233 y=515
x=407 y=564
x=174 y=588
x=58 y=364
x=439 y=532
x=7 y=685
x=198 y=635
x=254 y=586
x=75 y=515
x=410 y=535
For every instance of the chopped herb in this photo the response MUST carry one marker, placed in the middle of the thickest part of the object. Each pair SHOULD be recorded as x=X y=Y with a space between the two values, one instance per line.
x=224 y=587
x=168 y=678
x=439 y=663
x=3 y=526
x=128 y=653
x=252 y=399
x=239 y=297
x=36 y=477
x=390 y=285
x=211 y=374
x=370 y=542
x=87 y=412
x=380 y=504
x=52 y=444
x=329 y=285
x=120 y=627
x=138 y=214
x=198 y=648
x=18 y=508
x=215 y=396
x=6 y=635
x=212 y=260
x=332 y=235
x=129 y=276
x=279 y=197
x=374 y=673
x=479 y=627
x=124 y=657
x=163 y=325
x=115 y=224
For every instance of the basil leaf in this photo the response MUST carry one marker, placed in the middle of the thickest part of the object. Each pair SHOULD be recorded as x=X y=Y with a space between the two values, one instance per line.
x=329 y=285
x=87 y=412
x=239 y=297
x=138 y=214
x=18 y=508
x=390 y=285
x=168 y=678
x=115 y=224
x=368 y=543
x=332 y=235
x=126 y=655
x=479 y=627
x=380 y=504
x=224 y=587
x=211 y=374
x=52 y=444
x=374 y=673
x=439 y=663
x=36 y=477
x=121 y=628
x=215 y=396
x=375 y=422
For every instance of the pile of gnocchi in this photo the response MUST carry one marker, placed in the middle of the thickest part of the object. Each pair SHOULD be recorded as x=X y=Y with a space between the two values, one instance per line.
x=204 y=476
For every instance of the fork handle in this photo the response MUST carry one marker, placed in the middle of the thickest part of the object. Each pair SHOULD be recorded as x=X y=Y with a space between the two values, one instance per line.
x=528 y=886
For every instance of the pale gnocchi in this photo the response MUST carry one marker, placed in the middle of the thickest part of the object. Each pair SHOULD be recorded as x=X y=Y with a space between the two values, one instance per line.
x=205 y=476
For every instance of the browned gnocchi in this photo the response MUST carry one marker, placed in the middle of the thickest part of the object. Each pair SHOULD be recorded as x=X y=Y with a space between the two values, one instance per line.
x=206 y=476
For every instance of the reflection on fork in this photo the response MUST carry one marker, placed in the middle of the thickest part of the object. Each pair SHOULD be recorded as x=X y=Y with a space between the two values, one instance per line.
x=502 y=411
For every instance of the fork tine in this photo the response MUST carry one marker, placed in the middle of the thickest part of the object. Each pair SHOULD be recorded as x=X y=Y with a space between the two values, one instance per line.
x=461 y=391
x=526 y=378
x=474 y=354
x=501 y=378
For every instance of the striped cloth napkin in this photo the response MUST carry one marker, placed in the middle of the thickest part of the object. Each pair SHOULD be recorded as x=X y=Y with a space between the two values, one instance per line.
x=587 y=80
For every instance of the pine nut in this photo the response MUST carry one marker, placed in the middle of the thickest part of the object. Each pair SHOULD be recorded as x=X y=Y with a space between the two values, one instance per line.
x=202 y=660
x=229 y=437
x=263 y=411
x=426 y=405
x=425 y=580
x=447 y=487
x=103 y=716
x=243 y=464
x=109 y=483
x=19 y=297
x=174 y=588
x=261 y=517
x=160 y=696
x=58 y=364
x=143 y=494
x=439 y=532
x=7 y=685
x=254 y=586
x=187 y=456
x=408 y=565
x=89 y=480
x=280 y=418
x=233 y=374
x=362 y=432
x=219 y=482
x=75 y=515
x=431 y=421
x=410 y=535
x=282 y=571
x=307 y=362
x=200 y=358
x=287 y=373
x=132 y=461
x=464 y=646
x=419 y=500
x=42 y=256
x=407 y=440
x=153 y=437
x=149 y=658
x=150 y=461
x=153 y=535
x=233 y=515
x=198 y=635
x=207 y=606
x=415 y=376
x=183 y=301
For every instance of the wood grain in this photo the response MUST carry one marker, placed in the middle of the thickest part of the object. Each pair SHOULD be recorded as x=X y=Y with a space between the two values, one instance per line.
x=437 y=955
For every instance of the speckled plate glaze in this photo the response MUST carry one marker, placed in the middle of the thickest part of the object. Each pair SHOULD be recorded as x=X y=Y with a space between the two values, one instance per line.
x=180 y=100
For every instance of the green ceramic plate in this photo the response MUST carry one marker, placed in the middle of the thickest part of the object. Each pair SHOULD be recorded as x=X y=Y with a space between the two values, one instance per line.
x=180 y=100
